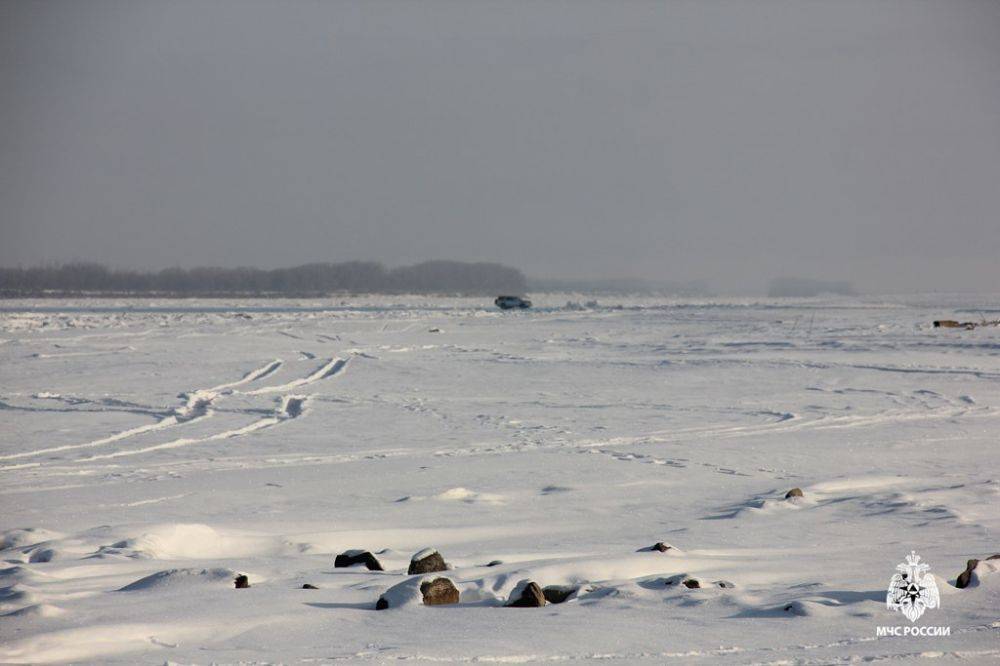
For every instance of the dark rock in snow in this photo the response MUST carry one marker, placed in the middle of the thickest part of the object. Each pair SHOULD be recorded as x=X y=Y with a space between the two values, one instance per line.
x=794 y=609
x=659 y=547
x=493 y=563
x=309 y=586
x=242 y=582
x=349 y=558
x=693 y=583
x=427 y=561
x=43 y=555
x=439 y=592
x=530 y=596
x=965 y=577
x=428 y=590
x=794 y=492
x=556 y=594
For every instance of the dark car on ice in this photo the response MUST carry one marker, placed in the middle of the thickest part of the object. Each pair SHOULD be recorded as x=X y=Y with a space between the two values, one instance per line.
x=512 y=303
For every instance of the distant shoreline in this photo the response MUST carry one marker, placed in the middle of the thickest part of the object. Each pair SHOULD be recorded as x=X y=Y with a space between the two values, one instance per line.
x=305 y=281
x=48 y=294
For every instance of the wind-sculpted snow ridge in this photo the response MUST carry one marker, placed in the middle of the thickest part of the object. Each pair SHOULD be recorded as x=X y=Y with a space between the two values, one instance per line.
x=174 y=578
x=458 y=495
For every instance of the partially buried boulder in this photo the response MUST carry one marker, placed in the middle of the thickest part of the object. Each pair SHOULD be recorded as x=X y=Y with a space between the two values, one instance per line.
x=427 y=561
x=556 y=594
x=439 y=592
x=350 y=558
x=418 y=590
x=968 y=576
x=681 y=579
x=309 y=586
x=661 y=547
x=527 y=594
x=242 y=582
x=794 y=492
x=696 y=583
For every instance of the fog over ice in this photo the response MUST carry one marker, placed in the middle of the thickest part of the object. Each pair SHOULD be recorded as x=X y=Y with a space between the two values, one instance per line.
x=727 y=141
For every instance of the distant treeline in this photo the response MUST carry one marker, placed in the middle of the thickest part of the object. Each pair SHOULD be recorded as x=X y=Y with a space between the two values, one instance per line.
x=359 y=277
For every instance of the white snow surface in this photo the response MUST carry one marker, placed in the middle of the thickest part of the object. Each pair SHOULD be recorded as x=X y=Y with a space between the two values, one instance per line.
x=152 y=451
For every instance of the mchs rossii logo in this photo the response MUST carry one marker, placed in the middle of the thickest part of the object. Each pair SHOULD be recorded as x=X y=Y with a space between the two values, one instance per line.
x=912 y=591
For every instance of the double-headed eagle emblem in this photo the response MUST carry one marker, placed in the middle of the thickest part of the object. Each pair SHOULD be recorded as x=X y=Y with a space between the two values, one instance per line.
x=912 y=589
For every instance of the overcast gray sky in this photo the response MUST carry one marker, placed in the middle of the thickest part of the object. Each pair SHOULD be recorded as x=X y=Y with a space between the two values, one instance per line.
x=727 y=141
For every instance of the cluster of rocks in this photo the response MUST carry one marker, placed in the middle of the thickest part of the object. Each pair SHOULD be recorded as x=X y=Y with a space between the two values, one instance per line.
x=529 y=594
x=696 y=583
x=967 y=325
x=440 y=590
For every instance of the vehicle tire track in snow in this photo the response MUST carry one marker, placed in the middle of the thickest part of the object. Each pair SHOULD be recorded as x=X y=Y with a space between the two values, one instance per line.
x=167 y=422
x=784 y=423
x=69 y=409
x=788 y=423
x=251 y=376
x=196 y=406
x=330 y=368
x=292 y=406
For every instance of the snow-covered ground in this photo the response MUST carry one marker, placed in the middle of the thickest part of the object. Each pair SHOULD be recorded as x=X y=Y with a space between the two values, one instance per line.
x=150 y=452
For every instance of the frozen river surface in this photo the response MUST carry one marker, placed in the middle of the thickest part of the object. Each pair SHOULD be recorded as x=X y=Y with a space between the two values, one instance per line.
x=150 y=452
